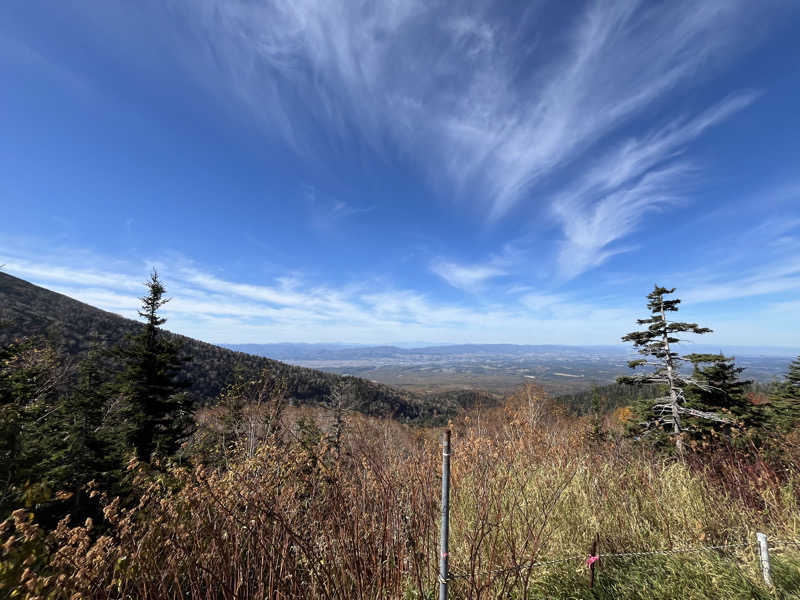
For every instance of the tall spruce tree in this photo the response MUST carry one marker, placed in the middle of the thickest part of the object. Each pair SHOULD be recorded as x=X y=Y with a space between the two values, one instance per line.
x=157 y=406
x=665 y=413
x=784 y=409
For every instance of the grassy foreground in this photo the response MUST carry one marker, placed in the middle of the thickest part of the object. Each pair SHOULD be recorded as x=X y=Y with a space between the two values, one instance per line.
x=297 y=515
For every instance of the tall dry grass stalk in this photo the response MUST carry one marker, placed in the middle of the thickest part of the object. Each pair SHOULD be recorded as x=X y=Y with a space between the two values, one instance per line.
x=293 y=519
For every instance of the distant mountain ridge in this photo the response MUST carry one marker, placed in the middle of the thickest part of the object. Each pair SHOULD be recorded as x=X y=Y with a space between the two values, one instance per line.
x=29 y=310
x=341 y=351
x=287 y=351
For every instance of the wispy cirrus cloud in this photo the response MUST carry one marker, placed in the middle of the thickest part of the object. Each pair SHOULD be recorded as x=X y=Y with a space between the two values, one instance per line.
x=457 y=85
x=636 y=177
x=21 y=54
x=462 y=90
x=328 y=213
x=68 y=274
x=778 y=277
x=496 y=106
x=475 y=276
x=466 y=277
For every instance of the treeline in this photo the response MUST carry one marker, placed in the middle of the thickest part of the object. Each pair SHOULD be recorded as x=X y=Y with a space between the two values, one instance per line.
x=72 y=329
x=67 y=423
x=75 y=411
x=606 y=398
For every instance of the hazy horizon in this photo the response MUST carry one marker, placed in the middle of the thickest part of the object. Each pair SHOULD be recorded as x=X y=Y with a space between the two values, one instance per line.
x=788 y=351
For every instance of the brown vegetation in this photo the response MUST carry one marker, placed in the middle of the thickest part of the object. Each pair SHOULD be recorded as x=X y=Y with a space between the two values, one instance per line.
x=274 y=512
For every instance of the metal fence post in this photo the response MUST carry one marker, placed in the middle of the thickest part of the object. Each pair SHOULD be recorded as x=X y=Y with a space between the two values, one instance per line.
x=763 y=550
x=443 y=545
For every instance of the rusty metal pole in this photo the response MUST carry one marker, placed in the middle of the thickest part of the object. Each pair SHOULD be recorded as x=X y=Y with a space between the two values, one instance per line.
x=443 y=542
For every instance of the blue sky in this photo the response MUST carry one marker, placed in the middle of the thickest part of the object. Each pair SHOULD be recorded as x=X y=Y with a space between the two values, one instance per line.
x=407 y=171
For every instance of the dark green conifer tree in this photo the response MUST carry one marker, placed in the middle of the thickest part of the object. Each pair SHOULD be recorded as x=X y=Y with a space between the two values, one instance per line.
x=666 y=414
x=722 y=392
x=32 y=375
x=11 y=422
x=784 y=408
x=157 y=406
x=85 y=424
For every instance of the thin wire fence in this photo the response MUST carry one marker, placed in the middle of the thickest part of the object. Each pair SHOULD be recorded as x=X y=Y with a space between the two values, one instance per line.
x=456 y=573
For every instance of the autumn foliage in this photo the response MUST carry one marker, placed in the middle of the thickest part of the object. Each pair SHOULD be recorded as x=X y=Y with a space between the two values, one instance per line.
x=275 y=512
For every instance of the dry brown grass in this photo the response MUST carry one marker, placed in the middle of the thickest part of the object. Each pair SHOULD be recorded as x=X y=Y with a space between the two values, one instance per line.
x=293 y=519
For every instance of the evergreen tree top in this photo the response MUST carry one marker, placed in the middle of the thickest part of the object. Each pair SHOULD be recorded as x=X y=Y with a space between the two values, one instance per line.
x=657 y=301
x=659 y=329
x=153 y=301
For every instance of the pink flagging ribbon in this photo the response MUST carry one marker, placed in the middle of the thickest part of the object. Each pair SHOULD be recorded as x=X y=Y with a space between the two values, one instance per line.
x=591 y=560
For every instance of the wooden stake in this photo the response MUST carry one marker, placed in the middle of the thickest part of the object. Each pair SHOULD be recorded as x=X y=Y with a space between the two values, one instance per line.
x=763 y=550
x=592 y=563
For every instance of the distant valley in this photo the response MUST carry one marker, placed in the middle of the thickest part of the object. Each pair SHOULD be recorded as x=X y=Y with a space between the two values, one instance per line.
x=440 y=378
x=497 y=368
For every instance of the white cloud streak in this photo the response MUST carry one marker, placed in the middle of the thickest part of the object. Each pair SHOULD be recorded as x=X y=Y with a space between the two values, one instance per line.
x=466 y=277
x=776 y=278
x=328 y=213
x=51 y=273
x=475 y=277
x=221 y=309
x=217 y=309
x=640 y=175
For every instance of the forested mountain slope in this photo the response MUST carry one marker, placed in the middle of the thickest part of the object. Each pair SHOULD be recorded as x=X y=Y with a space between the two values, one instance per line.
x=74 y=327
